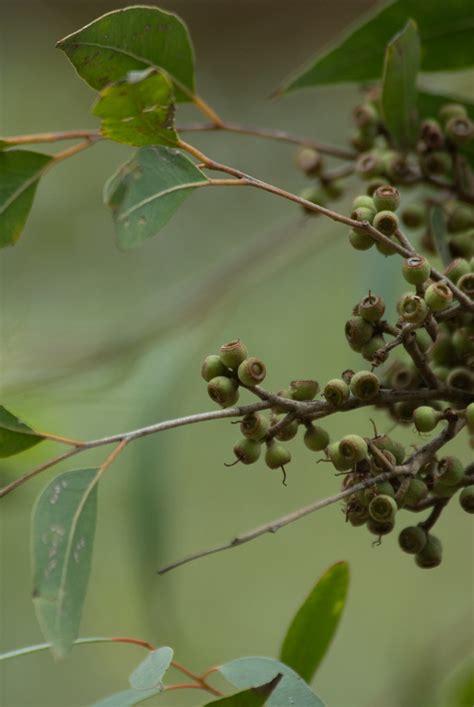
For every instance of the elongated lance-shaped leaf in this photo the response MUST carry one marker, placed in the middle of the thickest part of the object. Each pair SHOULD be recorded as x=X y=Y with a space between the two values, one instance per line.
x=62 y=538
x=253 y=671
x=146 y=191
x=139 y=110
x=254 y=697
x=358 y=54
x=15 y=435
x=133 y=39
x=314 y=625
x=20 y=172
x=149 y=674
x=399 y=94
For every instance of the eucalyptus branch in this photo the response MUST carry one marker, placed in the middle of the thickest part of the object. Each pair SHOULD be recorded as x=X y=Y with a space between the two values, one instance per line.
x=271 y=134
x=409 y=468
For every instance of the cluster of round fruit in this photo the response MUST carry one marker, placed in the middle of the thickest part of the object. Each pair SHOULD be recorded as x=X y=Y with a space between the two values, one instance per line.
x=325 y=187
x=376 y=506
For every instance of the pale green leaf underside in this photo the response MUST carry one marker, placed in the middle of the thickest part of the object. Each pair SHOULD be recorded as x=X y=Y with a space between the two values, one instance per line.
x=357 y=55
x=63 y=531
x=126 y=698
x=149 y=674
x=146 y=191
x=399 y=93
x=133 y=39
x=15 y=435
x=20 y=171
x=255 y=670
x=314 y=625
x=139 y=110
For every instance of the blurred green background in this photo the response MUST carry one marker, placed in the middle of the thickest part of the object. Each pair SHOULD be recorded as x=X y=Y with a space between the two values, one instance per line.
x=95 y=341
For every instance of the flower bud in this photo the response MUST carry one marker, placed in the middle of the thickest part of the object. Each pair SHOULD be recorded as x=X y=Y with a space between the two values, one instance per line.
x=251 y=372
x=233 y=353
x=416 y=270
x=304 y=389
x=336 y=392
x=412 y=539
x=431 y=555
x=364 y=385
x=386 y=198
x=223 y=391
x=315 y=438
x=212 y=367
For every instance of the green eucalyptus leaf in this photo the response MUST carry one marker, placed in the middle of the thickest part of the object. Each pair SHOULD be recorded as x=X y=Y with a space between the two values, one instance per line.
x=133 y=39
x=314 y=625
x=254 y=697
x=126 y=698
x=146 y=191
x=399 y=94
x=358 y=55
x=15 y=435
x=20 y=172
x=253 y=671
x=62 y=538
x=138 y=110
x=149 y=674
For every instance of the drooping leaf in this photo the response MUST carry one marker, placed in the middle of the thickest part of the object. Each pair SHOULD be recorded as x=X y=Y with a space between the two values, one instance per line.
x=439 y=232
x=62 y=538
x=446 y=39
x=146 y=191
x=15 y=436
x=126 y=698
x=138 y=110
x=314 y=625
x=149 y=674
x=253 y=671
x=399 y=93
x=20 y=172
x=254 y=697
x=133 y=39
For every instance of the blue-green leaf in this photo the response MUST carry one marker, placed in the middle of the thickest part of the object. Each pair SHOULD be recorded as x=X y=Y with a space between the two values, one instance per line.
x=133 y=39
x=254 y=697
x=146 y=191
x=253 y=671
x=399 y=93
x=15 y=435
x=126 y=698
x=63 y=531
x=357 y=55
x=20 y=172
x=314 y=625
x=138 y=110
x=148 y=675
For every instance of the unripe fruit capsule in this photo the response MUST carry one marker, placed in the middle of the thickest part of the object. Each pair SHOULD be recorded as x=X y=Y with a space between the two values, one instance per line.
x=386 y=198
x=371 y=308
x=438 y=296
x=459 y=130
x=315 y=438
x=255 y=426
x=310 y=161
x=353 y=448
x=336 y=392
x=360 y=240
x=412 y=539
x=451 y=470
x=358 y=331
x=431 y=555
x=466 y=284
x=466 y=499
x=412 y=308
x=247 y=450
x=251 y=372
x=383 y=508
x=364 y=385
x=386 y=222
x=304 y=389
x=425 y=418
x=416 y=270
x=223 y=391
x=288 y=432
x=233 y=353
x=413 y=215
x=212 y=367
x=276 y=455
x=363 y=200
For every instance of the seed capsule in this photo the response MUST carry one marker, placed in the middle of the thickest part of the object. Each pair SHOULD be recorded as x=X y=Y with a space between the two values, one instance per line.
x=386 y=198
x=276 y=455
x=336 y=392
x=412 y=308
x=383 y=509
x=416 y=270
x=212 y=367
x=223 y=391
x=425 y=418
x=315 y=438
x=255 y=426
x=353 y=448
x=431 y=555
x=233 y=353
x=466 y=499
x=412 y=539
x=304 y=389
x=247 y=450
x=288 y=432
x=371 y=308
x=364 y=385
x=252 y=371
